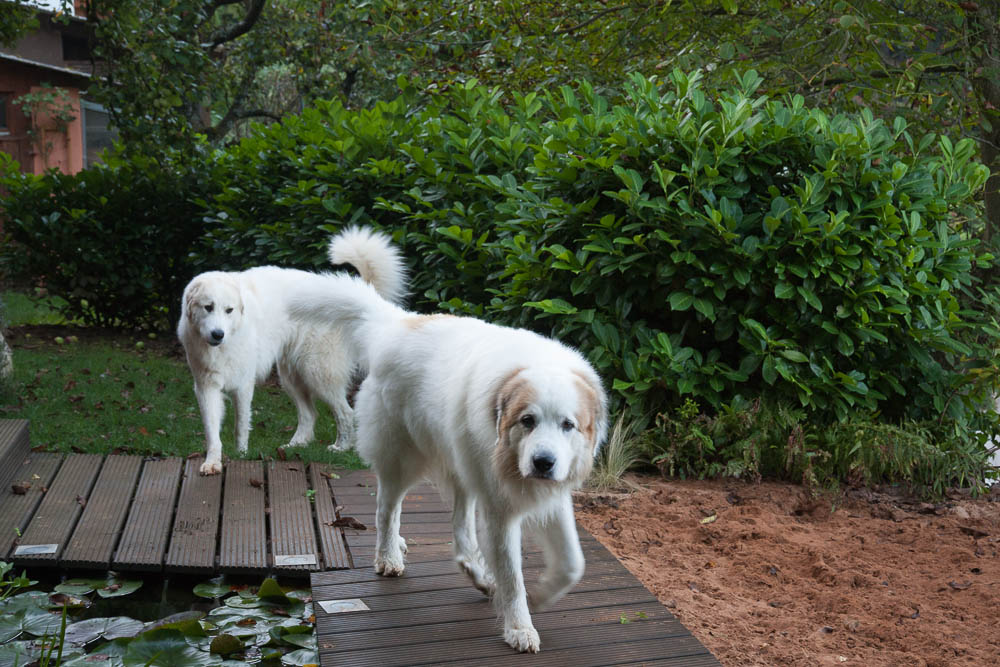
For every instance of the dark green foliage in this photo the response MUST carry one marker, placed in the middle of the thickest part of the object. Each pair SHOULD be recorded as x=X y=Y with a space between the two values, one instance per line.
x=111 y=240
x=712 y=247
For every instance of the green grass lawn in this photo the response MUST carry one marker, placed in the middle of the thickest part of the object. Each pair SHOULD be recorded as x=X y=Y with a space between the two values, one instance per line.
x=101 y=395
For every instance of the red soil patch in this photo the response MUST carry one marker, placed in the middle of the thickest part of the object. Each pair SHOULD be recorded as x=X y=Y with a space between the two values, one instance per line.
x=781 y=578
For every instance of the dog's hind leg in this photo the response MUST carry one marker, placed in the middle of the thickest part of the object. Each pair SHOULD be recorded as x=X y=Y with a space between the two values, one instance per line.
x=564 y=562
x=467 y=554
x=242 y=398
x=503 y=550
x=389 y=544
x=212 y=407
x=296 y=387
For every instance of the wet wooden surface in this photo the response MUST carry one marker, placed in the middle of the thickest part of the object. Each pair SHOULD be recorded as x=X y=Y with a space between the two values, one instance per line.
x=432 y=615
x=87 y=511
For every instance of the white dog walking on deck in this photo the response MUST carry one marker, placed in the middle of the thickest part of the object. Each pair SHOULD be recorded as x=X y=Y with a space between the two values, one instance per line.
x=235 y=327
x=503 y=418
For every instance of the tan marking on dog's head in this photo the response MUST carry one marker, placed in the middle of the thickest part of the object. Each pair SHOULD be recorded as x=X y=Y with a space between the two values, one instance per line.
x=415 y=322
x=513 y=396
x=192 y=295
x=592 y=414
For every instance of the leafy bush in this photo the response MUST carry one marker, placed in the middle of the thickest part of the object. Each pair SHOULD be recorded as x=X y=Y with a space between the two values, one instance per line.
x=717 y=248
x=111 y=240
x=692 y=247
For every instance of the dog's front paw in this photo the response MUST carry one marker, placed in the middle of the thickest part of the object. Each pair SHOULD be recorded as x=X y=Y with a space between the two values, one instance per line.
x=211 y=468
x=476 y=570
x=523 y=640
x=389 y=566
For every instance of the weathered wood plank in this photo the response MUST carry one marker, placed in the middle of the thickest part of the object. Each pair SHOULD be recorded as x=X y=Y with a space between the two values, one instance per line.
x=38 y=471
x=331 y=538
x=481 y=621
x=56 y=517
x=147 y=529
x=243 y=536
x=331 y=624
x=293 y=533
x=15 y=445
x=96 y=534
x=195 y=531
x=488 y=643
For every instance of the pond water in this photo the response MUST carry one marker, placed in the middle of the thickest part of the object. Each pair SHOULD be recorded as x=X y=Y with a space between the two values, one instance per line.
x=156 y=620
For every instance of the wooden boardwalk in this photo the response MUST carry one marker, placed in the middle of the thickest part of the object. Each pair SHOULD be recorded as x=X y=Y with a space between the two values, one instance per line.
x=130 y=513
x=432 y=615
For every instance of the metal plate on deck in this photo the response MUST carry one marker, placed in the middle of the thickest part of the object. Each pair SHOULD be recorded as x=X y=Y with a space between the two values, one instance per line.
x=341 y=606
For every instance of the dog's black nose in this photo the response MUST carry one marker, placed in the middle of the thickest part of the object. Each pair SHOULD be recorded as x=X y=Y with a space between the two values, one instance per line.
x=218 y=334
x=543 y=463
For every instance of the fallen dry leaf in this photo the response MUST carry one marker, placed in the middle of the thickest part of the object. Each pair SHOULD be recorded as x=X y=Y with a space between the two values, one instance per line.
x=20 y=488
x=347 y=522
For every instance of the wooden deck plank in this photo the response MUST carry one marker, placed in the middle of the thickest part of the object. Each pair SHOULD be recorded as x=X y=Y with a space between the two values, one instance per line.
x=196 y=525
x=488 y=643
x=96 y=535
x=38 y=470
x=53 y=522
x=433 y=615
x=330 y=624
x=293 y=534
x=684 y=651
x=147 y=529
x=243 y=536
x=481 y=621
x=15 y=445
x=331 y=538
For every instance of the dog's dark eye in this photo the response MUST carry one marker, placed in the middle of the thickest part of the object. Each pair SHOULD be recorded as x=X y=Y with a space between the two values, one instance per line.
x=528 y=421
x=209 y=308
x=567 y=425
x=228 y=310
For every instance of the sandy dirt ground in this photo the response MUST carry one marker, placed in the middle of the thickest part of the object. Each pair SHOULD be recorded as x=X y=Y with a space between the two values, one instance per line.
x=766 y=574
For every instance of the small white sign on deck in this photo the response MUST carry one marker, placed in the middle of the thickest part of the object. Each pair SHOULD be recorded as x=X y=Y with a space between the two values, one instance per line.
x=341 y=606
x=35 y=549
x=295 y=559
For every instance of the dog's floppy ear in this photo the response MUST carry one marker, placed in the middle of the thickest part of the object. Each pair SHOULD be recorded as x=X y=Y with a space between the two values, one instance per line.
x=593 y=411
x=191 y=294
x=512 y=391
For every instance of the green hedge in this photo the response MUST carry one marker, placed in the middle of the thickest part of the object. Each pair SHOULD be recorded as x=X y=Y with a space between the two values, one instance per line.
x=717 y=247
x=692 y=247
x=112 y=240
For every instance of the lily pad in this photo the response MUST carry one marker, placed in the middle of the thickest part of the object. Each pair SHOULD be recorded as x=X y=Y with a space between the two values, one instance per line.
x=116 y=588
x=17 y=653
x=78 y=587
x=36 y=599
x=84 y=632
x=213 y=588
x=225 y=644
x=301 y=658
x=39 y=622
x=185 y=621
x=271 y=592
x=238 y=602
x=94 y=660
x=166 y=648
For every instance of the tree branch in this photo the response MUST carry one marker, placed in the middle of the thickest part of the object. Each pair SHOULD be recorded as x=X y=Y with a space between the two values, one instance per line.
x=232 y=32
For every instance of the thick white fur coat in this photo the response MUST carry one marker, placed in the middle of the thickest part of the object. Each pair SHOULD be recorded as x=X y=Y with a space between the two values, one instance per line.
x=235 y=327
x=506 y=421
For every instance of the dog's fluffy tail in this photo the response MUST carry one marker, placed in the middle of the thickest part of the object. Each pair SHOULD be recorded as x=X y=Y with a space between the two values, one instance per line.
x=374 y=256
x=352 y=304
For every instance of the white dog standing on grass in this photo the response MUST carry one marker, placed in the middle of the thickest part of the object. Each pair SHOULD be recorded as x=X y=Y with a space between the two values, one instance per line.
x=503 y=418
x=235 y=327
